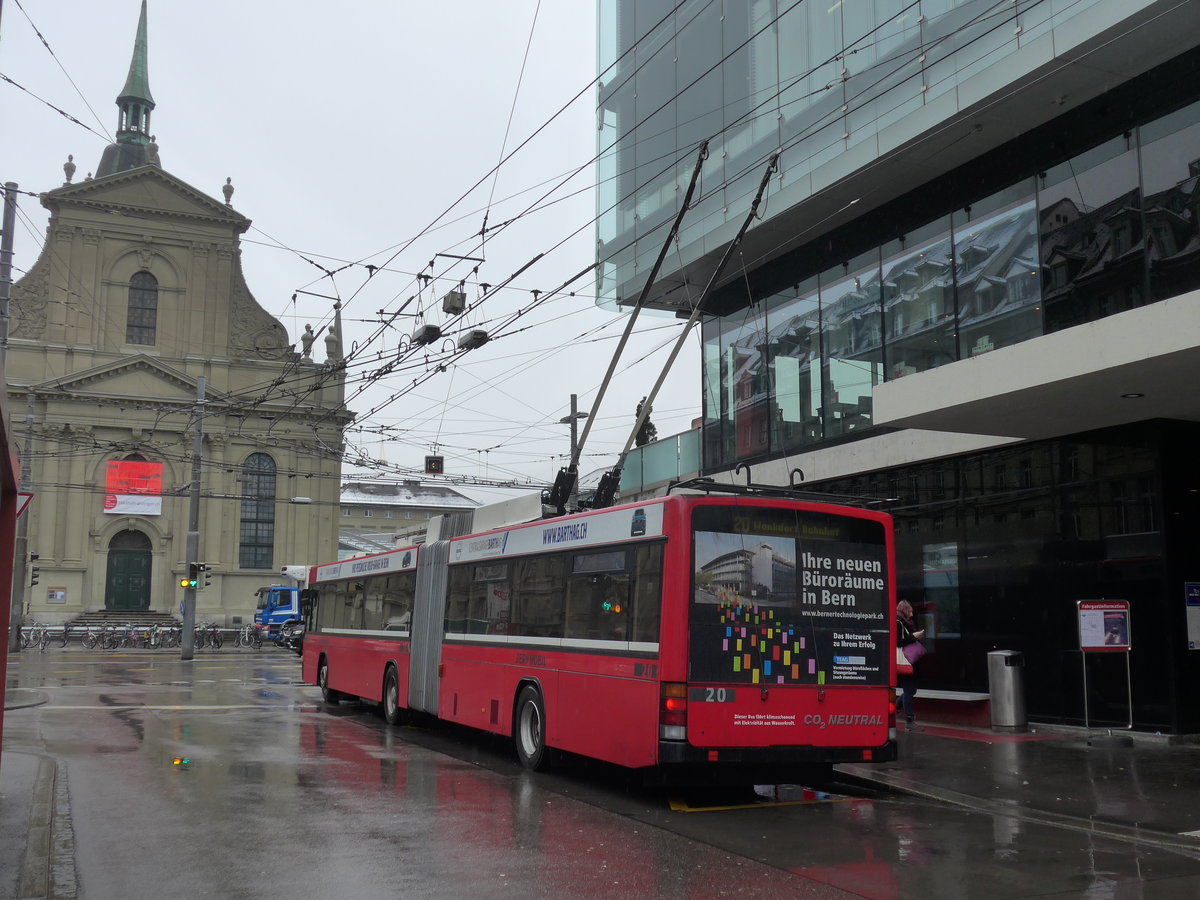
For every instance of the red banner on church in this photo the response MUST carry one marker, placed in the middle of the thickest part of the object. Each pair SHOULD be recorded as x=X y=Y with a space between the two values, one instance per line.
x=133 y=487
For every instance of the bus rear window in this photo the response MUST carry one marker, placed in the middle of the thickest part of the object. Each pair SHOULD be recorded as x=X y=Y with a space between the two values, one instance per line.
x=788 y=597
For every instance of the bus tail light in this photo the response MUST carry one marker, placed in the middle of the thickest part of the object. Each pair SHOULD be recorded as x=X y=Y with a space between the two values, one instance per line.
x=672 y=713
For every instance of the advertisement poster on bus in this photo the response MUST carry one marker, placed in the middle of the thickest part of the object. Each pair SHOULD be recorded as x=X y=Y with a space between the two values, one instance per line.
x=133 y=487
x=771 y=609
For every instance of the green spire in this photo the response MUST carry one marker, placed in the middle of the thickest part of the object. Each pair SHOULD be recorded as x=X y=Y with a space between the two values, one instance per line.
x=135 y=101
x=137 y=84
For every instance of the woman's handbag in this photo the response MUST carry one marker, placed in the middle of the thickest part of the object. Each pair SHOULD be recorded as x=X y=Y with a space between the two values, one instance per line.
x=913 y=652
x=903 y=666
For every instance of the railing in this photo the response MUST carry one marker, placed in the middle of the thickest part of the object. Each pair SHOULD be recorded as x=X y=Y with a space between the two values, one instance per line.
x=667 y=459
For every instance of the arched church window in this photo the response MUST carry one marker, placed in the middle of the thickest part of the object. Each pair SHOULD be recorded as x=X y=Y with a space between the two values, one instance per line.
x=142 y=324
x=257 y=538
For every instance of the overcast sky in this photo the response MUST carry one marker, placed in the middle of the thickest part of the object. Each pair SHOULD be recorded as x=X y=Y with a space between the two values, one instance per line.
x=348 y=130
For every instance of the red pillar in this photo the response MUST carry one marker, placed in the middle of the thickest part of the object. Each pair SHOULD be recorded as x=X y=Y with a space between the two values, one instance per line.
x=8 y=534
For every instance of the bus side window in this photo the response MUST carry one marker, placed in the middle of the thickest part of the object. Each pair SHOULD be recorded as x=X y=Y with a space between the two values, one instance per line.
x=647 y=596
x=459 y=600
x=581 y=607
x=537 y=607
x=614 y=609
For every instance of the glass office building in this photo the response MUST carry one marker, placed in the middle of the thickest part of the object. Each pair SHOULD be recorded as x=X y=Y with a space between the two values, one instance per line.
x=956 y=181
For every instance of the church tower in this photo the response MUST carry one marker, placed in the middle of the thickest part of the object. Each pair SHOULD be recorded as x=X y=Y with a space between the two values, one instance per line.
x=137 y=295
x=134 y=145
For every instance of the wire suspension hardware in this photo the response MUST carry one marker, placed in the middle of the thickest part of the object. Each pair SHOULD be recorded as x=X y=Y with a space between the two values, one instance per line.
x=611 y=480
x=564 y=482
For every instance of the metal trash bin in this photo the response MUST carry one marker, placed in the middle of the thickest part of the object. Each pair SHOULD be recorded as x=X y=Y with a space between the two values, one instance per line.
x=1006 y=685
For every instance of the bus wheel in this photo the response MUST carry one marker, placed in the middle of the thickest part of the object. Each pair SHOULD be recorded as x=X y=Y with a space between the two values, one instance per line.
x=327 y=693
x=529 y=731
x=391 y=697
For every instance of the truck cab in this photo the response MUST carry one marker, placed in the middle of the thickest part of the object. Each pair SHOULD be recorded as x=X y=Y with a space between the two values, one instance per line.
x=276 y=605
x=279 y=604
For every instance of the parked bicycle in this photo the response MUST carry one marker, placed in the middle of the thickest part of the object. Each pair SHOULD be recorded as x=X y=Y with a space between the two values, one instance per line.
x=208 y=635
x=91 y=637
x=249 y=635
x=215 y=637
x=35 y=635
x=111 y=636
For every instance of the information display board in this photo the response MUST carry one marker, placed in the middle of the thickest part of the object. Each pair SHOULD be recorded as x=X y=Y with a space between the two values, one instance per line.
x=1104 y=628
x=1104 y=625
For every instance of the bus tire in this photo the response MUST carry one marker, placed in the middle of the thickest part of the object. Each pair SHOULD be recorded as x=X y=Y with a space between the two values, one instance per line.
x=529 y=729
x=392 y=713
x=328 y=694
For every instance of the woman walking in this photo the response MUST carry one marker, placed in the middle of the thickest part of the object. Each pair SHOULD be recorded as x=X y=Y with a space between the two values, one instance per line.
x=907 y=634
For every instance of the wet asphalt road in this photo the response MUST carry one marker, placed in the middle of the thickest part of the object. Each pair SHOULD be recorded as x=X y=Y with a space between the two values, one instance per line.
x=226 y=777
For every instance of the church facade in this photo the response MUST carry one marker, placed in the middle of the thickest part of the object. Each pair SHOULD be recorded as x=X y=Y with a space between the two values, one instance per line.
x=133 y=332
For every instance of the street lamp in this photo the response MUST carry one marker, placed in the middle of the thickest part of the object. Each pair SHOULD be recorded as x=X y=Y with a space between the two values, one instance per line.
x=572 y=420
x=572 y=467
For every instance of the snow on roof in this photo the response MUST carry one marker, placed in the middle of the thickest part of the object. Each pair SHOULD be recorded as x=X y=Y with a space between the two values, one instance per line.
x=407 y=493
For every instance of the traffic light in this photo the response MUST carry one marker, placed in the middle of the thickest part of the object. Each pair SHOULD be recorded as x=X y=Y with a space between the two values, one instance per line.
x=435 y=465
x=34 y=571
x=204 y=576
x=188 y=582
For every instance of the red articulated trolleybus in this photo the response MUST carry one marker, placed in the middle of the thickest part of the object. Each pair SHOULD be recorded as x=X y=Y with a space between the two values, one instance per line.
x=741 y=632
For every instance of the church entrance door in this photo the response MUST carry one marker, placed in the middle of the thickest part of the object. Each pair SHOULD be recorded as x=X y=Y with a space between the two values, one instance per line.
x=127 y=585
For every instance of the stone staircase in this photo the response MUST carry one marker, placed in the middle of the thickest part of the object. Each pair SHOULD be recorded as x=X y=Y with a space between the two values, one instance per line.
x=140 y=618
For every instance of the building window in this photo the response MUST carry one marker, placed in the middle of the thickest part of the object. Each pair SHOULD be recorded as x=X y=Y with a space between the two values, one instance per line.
x=142 y=323
x=387 y=514
x=257 y=539
x=367 y=513
x=347 y=512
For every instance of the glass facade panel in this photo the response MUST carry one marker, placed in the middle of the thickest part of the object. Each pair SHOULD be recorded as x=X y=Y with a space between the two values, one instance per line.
x=749 y=414
x=852 y=341
x=794 y=347
x=918 y=276
x=1170 y=156
x=754 y=76
x=1093 y=255
x=997 y=276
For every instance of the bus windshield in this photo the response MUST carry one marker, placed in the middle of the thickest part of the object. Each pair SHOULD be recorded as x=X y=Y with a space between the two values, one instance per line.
x=784 y=596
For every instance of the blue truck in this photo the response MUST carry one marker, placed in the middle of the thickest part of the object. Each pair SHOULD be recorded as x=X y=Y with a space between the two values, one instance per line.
x=279 y=604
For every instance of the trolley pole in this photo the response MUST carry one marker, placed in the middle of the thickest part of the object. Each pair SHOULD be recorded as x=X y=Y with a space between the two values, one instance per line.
x=188 y=638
